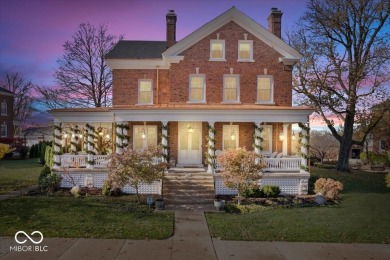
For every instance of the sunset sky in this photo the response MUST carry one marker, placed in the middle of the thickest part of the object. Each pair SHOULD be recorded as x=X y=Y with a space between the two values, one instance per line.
x=33 y=31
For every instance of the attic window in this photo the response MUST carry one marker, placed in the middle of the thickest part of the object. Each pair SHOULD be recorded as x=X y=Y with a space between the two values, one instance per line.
x=245 y=50
x=217 y=50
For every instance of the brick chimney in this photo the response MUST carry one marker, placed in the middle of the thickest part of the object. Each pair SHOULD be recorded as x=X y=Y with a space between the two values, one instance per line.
x=171 y=28
x=275 y=22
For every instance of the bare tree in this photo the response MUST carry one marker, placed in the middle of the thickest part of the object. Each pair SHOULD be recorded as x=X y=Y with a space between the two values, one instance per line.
x=84 y=78
x=323 y=145
x=23 y=98
x=345 y=65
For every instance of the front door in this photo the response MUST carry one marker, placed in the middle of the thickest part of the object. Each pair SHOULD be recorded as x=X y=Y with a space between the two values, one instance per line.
x=190 y=141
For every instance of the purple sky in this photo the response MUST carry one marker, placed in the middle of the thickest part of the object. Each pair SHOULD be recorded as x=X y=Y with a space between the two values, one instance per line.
x=33 y=31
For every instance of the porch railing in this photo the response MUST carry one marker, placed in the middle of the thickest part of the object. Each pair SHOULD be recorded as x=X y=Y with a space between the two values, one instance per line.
x=274 y=165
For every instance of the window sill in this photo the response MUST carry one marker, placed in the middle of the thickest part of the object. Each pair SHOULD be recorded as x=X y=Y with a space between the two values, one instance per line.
x=196 y=102
x=230 y=102
x=217 y=59
x=265 y=103
x=146 y=104
x=249 y=60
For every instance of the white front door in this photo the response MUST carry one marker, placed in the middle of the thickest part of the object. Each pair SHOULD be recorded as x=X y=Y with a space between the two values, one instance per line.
x=190 y=143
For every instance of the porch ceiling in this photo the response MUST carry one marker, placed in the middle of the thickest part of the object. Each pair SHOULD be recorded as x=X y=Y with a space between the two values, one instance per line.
x=217 y=113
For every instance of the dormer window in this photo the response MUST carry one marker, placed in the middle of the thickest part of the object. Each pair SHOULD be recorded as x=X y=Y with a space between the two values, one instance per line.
x=145 y=92
x=245 y=50
x=217 y=50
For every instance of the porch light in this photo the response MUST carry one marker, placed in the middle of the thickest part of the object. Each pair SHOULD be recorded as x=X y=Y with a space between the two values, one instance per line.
x=73 y=135
x=190 y=129
x=293 y=136
x=143 y=134
x=107 y=136
x=281 y=137
x=65 y=135
x=232 y=135
x=80 y=135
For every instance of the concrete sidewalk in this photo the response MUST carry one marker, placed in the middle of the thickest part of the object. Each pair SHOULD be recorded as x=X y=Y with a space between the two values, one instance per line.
x=191 y=240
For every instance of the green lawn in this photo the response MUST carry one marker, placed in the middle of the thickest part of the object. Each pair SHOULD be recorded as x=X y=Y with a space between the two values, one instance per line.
x=86 y=217
x=17 y=174
x=361 y=217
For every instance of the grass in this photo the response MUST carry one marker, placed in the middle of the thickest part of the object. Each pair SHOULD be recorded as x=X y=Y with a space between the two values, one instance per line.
x=18 y=174
x=86 y=217
x=361 y=217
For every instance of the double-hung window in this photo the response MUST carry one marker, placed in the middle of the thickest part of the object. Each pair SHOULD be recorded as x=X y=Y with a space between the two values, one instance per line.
x=231 y=88
x=197 y=88
x=144 y=136
x=145 y=91
x=4 y=110
x=265 y=89
x=217 y=50
x=245 y=50
x=3 y=130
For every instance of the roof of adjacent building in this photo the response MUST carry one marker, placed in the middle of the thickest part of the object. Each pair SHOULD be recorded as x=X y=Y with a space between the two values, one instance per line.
x=5 y=91
x=137 y=50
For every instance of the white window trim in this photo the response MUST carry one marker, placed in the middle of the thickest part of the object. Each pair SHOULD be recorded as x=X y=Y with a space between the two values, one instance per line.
x=4 y=126
x=271 y=101
x=237 y=76
x=223 y=50
x=250 y=51
x=270 y=139
x=139 y=91
x=229 y=129
x=204 y=89
x=144 y=141
x=6 y=108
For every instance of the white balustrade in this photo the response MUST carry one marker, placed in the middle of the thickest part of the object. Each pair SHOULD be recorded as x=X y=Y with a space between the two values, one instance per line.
x=100 y=161
x=74 y=161
x=275 y=165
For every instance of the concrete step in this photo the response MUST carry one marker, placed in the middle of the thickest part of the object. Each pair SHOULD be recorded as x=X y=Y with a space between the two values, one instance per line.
x=190 y=183
x=189 y=191
x=191 y=201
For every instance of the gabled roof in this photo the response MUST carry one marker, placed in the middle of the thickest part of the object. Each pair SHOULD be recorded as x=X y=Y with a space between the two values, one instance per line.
x=137 y=50
x=235 y=15
x=6 y=91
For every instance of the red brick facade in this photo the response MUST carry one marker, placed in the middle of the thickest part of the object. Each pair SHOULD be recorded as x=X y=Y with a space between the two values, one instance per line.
x=8 y=118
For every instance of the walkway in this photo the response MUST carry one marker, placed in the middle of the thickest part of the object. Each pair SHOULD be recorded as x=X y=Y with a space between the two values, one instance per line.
x=17 y=192
x=191 y=241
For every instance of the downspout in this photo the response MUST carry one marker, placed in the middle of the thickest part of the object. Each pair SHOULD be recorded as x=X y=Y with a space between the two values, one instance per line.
x=157 y=84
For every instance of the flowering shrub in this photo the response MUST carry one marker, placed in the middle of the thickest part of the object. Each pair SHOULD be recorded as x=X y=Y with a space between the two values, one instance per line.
x=241 y=169
x=4 y=149
x=328 y=187
x=135 y=167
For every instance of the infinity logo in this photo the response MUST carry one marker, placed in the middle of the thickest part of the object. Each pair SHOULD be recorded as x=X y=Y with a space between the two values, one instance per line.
x=32 y=240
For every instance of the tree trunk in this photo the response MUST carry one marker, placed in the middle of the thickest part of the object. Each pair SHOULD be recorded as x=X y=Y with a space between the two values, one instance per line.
x=345 y=146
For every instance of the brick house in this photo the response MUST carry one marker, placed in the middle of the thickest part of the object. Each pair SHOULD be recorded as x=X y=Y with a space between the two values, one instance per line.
x=225 y=85
x=6 y=116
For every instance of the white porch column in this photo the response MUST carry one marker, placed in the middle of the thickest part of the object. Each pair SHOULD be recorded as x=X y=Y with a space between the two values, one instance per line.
x=85 y=139
x=125 y=140
x=119 y=143
x=90 y=145
x=258 y=130
x=211 y=148
x=285 y=139
x=164 y=141
x=57 y=145
x=73 y=140
x=304 y=145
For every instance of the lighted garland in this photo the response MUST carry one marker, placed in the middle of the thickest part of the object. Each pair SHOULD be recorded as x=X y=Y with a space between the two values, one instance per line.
x=306 y=145
x=210 y=159
x=121 y=136
x=166 y=147
x=258 y=137
x=90 y=133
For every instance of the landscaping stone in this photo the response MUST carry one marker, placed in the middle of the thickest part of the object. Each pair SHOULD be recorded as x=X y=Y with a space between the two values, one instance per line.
x=75 y=190
x=320 y=199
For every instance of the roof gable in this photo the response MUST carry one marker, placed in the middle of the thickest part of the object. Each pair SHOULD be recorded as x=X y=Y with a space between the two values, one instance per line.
x=235 y=15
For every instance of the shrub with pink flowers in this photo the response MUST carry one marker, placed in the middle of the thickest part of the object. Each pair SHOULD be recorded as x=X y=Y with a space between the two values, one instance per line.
x=328 y=188
x=135 y=167
x=241 y=169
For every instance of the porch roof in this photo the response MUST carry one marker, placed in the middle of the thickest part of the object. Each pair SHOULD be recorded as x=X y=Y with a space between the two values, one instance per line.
x=185 y=112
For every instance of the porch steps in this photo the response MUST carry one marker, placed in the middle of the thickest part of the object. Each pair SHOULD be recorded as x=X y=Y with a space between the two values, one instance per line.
x=188 y=186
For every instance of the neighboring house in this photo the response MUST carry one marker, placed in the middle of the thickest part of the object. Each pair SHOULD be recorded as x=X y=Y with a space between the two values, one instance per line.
x=6 y=116
x=36 y=134
x=226 y=85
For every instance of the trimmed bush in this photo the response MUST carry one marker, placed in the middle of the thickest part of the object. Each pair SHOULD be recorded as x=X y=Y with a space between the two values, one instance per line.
x=328 y=188
x=270 y=191
x=48 y=181
x=254 y=192
x=375 y=158
x=324 y=165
